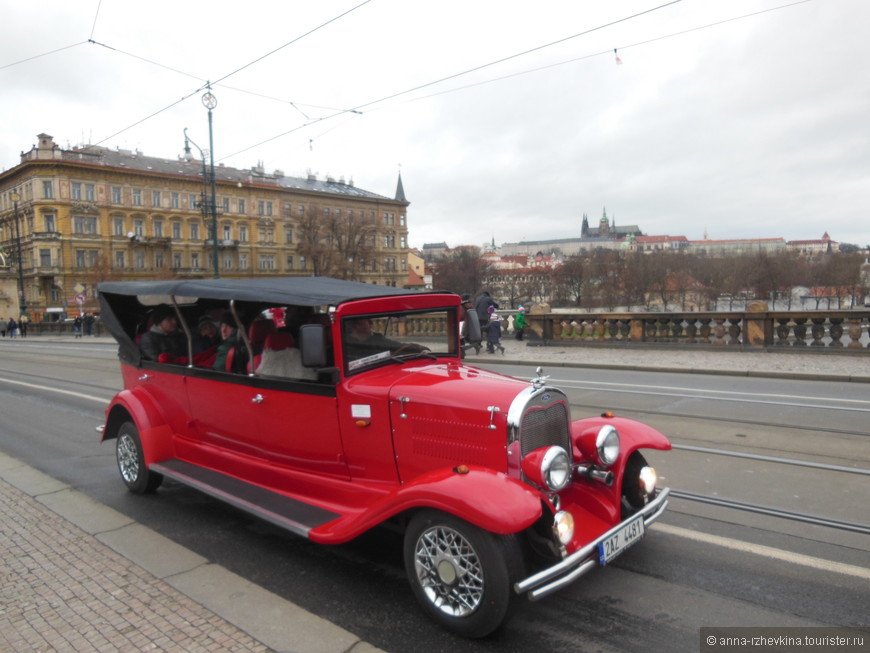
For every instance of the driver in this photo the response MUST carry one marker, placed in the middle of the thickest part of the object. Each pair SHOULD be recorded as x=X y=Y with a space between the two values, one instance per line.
x=361 y=340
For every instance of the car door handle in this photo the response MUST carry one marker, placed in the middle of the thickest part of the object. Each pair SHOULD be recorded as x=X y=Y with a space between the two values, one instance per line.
x=258 y=399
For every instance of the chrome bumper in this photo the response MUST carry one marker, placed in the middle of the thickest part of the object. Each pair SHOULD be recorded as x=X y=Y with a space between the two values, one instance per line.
x=584 y=560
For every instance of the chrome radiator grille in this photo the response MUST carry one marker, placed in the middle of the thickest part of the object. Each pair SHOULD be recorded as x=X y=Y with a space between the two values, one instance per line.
x=544 y=426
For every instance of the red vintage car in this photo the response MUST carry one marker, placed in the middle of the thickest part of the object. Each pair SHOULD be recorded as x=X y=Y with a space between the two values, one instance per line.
x=359 y=410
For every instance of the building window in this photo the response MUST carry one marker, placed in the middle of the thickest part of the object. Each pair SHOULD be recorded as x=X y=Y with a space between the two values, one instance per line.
x=267 y=262
x=137 y=197
x=118 y=226
x=90 y=193
x=289 y=262
x=267 y=235
x=140 y=260
x=139 y=227
x=287 y=210
x=389 y=242
x=80 y=258
x=155 y=198
x=300 y=210
x=402 y=219
x=228 y=232
x=243 y=261
x=228 y=262
x=303 y=263
x=226 y=202
x=264 y=208
x=45 y=258
x=194 y=231
x=158 y=228
x=47 y=190
x=76 y=190
x=50 y=222
x=403 y=242
x=158 y=259
x=176 y=230
x=288 y=236
x=175 y=201
x=84 y=225
x=242 y=207
x=119 y=259
x=194 y=260
x=116 y=194
x=176 y=260
x=193 y=201
x=243 y=233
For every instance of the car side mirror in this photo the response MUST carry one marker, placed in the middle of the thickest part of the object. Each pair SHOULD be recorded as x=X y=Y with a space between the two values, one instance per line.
x=312 y=345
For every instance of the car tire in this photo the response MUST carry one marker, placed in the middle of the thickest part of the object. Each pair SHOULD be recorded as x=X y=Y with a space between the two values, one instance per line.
x=131 y=461
x=461 y=575
x=633 y=498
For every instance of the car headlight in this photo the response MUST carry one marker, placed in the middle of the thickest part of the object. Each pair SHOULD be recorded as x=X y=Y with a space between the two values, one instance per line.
x=648 y=479
x=607 y=445
x=563 y=527
x=556 y=468
x=548 y=467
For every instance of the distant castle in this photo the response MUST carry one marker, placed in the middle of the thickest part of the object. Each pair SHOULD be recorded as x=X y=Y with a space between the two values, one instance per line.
x=605 y=236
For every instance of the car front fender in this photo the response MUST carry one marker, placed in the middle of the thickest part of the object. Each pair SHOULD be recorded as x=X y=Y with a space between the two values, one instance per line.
x=488 y=499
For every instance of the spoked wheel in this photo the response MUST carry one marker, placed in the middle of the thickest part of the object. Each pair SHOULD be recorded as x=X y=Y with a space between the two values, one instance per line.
x=131 y=461
x=460 y=574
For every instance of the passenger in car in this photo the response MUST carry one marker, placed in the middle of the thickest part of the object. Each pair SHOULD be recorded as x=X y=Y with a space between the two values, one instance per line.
x=163 y=337
x=229 y=339
x=281 y=358
x=207 y=336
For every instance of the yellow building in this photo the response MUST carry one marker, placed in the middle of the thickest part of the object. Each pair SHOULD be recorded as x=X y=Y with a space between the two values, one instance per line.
x=91 y=214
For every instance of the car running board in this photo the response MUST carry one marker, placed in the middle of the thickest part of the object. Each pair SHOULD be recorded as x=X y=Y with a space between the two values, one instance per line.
x=295 y=516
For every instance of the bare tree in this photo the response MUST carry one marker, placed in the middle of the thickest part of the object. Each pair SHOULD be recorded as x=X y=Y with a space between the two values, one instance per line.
x=462 y=270
x=337 y=245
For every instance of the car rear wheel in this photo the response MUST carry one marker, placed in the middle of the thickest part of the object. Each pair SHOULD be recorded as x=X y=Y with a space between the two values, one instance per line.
x=460 y=574
x=131 y=461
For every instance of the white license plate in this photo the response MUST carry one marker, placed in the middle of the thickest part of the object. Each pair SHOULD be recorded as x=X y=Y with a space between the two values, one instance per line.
x=620 y=540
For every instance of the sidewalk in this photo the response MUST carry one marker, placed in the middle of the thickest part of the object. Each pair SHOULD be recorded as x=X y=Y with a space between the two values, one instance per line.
x=78 y=576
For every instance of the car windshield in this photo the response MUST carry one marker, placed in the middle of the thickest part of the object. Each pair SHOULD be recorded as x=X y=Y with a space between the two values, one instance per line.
x=373 y=340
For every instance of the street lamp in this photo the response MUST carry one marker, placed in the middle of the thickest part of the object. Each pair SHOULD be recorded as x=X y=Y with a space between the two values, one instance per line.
x=22 y=301
x=209 y=101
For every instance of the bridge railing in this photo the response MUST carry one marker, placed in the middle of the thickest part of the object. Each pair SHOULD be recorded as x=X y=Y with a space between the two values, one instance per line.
x=845 y=330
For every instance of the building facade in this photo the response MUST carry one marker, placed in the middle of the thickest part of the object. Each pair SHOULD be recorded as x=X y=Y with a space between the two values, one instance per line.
x=92 y=214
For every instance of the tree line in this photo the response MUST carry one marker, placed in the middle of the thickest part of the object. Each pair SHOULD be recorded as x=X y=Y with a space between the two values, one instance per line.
x=611 y=280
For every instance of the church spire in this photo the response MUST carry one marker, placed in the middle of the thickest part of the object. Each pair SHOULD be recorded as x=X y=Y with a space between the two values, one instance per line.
x=400 y=190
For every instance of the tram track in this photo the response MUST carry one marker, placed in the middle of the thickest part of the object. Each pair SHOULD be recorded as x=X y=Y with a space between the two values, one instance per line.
x=726 y=419
x=806 y=518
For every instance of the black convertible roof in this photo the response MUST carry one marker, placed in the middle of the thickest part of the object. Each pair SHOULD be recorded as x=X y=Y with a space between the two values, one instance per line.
x=296 y=291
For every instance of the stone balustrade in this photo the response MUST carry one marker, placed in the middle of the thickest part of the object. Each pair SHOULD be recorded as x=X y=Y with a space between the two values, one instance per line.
x=832 y=330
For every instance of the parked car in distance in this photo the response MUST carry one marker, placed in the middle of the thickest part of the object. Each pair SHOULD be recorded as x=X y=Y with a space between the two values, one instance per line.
x=333 y=407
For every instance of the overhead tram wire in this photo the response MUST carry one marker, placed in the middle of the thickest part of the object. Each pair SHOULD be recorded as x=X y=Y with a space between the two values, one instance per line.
x=247 y=65
x=358 y=108
x=608 y=51
x=525 y=72
x=44 y=54
x=96 y=16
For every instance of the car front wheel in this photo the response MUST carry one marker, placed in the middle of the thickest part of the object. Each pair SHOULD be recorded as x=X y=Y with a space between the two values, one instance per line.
x=461 y=574
x=131 y=461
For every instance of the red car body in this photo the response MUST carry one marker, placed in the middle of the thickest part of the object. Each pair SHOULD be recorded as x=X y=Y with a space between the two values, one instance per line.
x=499 y=490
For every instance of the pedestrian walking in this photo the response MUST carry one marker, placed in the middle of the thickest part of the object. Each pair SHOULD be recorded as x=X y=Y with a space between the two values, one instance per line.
x=12 y=327
x=520 y=323
x=22 y=326
x=484 y=306
x=88 y=324
x=493 y=334
x=77 y=326
x=3 y=326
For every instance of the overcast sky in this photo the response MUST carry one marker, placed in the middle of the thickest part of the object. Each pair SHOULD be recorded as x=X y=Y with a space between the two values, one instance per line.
x=737 y=118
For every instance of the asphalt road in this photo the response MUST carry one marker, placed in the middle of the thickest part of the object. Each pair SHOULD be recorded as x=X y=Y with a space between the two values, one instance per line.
x=701 y=565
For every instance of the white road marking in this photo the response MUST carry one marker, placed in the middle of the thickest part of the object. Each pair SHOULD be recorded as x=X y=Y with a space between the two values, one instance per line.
x=717 y=395
x=46 y=388
x=766 y=551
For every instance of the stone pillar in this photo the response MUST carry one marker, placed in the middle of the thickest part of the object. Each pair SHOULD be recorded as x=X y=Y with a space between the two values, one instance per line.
x=758 y=330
